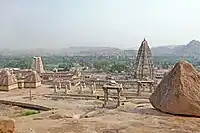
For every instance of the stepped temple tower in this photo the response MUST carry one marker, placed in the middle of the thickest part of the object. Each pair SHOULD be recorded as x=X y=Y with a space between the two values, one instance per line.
x=38 y=65
x=143 y=69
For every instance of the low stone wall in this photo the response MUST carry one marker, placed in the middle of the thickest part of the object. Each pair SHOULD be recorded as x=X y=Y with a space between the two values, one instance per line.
x=25 y=105
x=32 y=85
x=10 y=87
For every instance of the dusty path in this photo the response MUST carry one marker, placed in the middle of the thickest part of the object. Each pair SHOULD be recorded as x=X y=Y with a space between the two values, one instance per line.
x=87 y=116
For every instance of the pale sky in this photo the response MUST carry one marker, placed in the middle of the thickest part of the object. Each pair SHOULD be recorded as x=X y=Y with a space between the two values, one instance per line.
x=115 y=23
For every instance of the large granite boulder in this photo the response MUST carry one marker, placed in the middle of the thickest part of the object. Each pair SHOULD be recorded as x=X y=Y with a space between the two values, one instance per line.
x=179 y=91
x=7 y=125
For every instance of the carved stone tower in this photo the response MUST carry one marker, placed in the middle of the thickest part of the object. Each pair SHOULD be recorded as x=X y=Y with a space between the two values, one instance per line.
x=38 y=65
x=143 y=69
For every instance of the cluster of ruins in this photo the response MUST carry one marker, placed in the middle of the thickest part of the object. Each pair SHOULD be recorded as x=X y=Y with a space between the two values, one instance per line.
x=144 y=77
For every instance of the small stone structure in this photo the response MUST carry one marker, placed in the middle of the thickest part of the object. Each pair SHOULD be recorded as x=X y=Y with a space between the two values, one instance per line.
x=32 y=80
x=112 y=86
x=141 y=85
x=8 y=81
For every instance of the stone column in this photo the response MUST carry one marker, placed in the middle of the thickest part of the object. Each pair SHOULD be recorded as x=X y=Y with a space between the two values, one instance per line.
x=139 y=89
x=84 y=85
x=69 y=85
x=55 y=89
x=105 y=97
x=151 y=87
x=118 y=96
x=59 y=85
x=30 y=93
x=92 y=89
x=143 y=87
x=80 y=89
x=66 y=89
x=121 y=92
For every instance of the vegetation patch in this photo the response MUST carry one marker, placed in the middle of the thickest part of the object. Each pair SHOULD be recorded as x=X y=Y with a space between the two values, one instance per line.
x=30 y=112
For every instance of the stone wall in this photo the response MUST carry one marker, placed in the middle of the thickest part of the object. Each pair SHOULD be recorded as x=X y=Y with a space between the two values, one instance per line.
x=7 y=88
x=21 y=84
x=25 y=105
x=32 y=85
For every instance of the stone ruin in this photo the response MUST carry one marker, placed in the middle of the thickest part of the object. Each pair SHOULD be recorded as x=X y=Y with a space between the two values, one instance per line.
x=112 y=85
x=8 y=81
x=32 y=80
x=179 y=91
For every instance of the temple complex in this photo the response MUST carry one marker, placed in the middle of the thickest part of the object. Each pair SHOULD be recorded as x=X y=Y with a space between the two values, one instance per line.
x=143 y=69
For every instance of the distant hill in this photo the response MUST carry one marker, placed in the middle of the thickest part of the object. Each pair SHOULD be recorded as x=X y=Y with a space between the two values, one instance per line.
x=191 y=49
x=94 y=51
x=71 y=51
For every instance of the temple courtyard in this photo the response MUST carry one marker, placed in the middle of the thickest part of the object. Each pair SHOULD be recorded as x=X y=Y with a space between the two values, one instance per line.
x=85 y=114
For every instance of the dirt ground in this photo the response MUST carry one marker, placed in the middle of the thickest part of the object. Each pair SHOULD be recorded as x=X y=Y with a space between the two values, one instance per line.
x=87 y=116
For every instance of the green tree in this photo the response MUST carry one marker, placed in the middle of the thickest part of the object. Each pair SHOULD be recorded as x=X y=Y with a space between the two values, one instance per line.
x=103 y=64
x=118 y=67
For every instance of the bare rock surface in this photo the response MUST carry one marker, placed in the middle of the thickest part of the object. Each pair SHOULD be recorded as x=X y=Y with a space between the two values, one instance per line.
x=7 y=125
x=179 y=91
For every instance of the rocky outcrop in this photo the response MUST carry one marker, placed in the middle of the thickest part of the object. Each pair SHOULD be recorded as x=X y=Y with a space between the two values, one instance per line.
x=6 y=125
x=179 y=91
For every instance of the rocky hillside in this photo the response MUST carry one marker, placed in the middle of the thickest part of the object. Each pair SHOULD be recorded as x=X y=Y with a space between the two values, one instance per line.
x=71 y=51
x=94 y=51
x=191 y=49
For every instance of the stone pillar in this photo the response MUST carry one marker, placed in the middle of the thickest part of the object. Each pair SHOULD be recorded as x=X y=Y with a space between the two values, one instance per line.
x=80 y=89
x=151 y=90
x=95 y=86
x=121 y=92
x=69 y=85
x=30 y=93
x=66 y=89
x=143 y=87
x=84 y=85
x=92 y=89
x=105 y=97
x=59 y=85
x=139 y=89
x=55 y=89
x=118 y=96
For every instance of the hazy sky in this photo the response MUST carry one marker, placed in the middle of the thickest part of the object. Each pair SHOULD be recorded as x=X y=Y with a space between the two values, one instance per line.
x=117 y=23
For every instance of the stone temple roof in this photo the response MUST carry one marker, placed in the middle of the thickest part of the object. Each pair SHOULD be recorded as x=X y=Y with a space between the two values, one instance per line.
x=7 y=78
x=32 y=77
